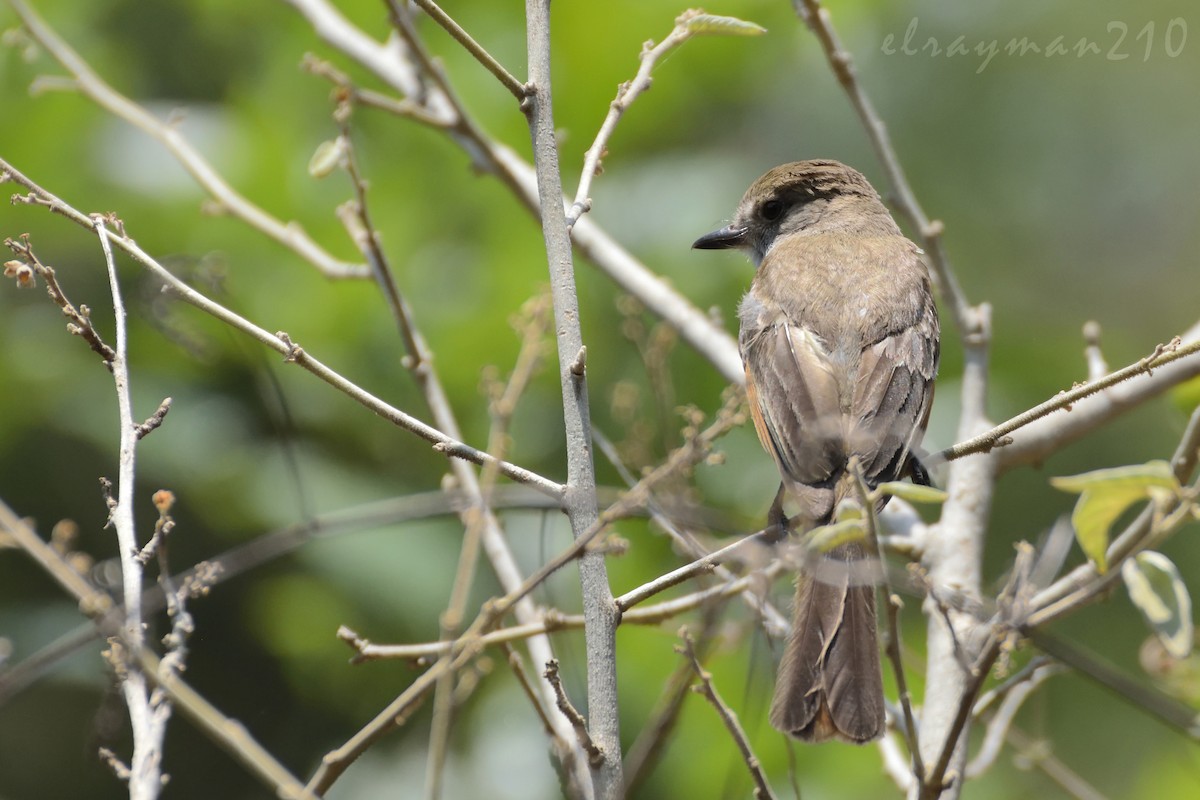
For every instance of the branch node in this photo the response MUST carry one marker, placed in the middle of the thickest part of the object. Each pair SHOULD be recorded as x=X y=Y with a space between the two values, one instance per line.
x=155 y=419
x=579 y=365
x=294 y=353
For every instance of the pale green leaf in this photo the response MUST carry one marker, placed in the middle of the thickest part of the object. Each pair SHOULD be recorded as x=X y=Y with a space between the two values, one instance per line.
x=1158 y=591
x=827 y=537
x=1141 y=476
x=722 y=26
x=327 y=158
x=1105 y=494
x=912 y=492
x=849 y=509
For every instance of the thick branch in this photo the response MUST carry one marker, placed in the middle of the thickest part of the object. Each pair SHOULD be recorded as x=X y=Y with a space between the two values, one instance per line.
x=953 y=560
x=599 y=609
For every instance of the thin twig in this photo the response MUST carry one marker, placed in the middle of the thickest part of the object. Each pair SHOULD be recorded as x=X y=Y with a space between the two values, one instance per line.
x=348 y=91
x=92 y=86
x=390 y=65
x=1037 y=753
x=595 y=755
x=228 y=733
x=81 y=320
x=1168 y=710
x=366 y=650
x=935 y=781
x=894 y=654
x=700 y=566
x=999 y=725
x=762 y=788
x=842 y=65
x=291 y=351
x=868 y=500
x=626 y=94
x=653 y=738
x=155 y=420
x=775 y=622
x=517 y=665
x=996 y=437
x=514 y=86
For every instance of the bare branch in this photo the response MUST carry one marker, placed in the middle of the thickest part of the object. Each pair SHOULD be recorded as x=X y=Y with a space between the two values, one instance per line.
x=81 y=320
x=148 y=722
x=841 y=64
x=626 y=94
x=228 y=733
x=292 y=352
x=599 y=610
x=388 y=63
x=762 y=788
x=595 y=754
x=514 y=86
x=291 y=235
x=1173 y=351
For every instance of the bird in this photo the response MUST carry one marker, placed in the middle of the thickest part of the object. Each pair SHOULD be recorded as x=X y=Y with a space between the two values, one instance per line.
x=840 y=341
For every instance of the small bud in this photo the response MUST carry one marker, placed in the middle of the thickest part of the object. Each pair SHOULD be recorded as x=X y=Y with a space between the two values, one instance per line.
x=163 y=500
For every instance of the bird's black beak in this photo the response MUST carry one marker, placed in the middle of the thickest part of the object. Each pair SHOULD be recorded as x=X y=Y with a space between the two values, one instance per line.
x=727 y=237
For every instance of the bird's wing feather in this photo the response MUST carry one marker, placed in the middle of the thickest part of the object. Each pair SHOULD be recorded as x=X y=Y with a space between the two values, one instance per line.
x=795 y=400
x=892 y=397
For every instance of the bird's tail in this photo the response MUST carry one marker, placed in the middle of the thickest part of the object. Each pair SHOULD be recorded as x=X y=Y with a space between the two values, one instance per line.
x=829 y=683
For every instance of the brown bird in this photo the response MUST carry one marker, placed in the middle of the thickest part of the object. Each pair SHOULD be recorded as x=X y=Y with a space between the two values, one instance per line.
x=839 y=338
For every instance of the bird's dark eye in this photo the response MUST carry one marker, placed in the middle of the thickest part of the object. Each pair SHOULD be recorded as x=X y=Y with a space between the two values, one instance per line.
x=771 y=210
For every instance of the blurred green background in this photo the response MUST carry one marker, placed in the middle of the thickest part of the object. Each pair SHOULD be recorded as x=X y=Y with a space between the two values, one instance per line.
x=1067 y=186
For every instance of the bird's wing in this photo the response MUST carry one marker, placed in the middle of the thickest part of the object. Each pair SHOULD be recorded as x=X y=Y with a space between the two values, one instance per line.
x=892 y=397
x=794 y=400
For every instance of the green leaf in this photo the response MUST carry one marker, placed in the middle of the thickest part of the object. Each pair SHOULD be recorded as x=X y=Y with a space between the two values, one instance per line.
x=1105 y=494
x=1158 y=591
x=912 y=492
x=827 y=537
x=848 y=510
x=327 y=157
x=1152 y=473
x=722 y=26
